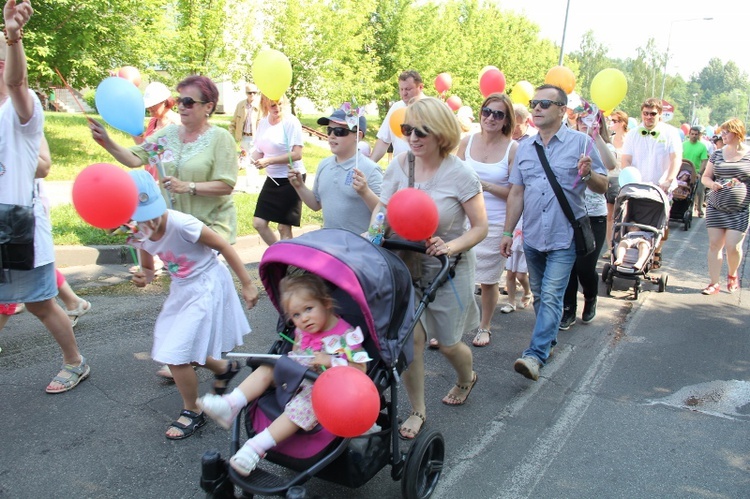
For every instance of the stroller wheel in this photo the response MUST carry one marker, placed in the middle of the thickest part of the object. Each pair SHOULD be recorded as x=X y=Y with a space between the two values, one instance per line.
x=636 y=289
x=605 y=272
x=663 y=282
x=423 y=466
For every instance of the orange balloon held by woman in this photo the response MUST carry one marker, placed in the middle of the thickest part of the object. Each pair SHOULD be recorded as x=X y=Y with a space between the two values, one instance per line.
x=396 y=120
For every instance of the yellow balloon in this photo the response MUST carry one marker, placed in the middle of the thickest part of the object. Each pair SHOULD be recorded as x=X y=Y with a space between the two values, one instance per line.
x=522 y=92
x=608 y=88
x=396 y=120
x=272 y=73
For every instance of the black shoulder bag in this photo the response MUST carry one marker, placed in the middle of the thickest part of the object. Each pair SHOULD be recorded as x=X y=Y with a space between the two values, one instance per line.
x=582 y=232
x=16 y=237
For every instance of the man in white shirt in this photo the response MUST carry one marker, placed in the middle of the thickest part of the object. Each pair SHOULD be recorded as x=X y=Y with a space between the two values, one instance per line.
x=654 y=147
x=410 y=86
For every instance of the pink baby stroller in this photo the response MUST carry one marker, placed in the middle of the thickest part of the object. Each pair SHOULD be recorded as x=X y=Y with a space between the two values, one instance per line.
x=373 y=290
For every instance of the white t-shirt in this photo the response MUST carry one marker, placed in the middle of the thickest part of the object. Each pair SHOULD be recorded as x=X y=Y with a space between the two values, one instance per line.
x=277 y=140
x=19 y=153
x=386 y=134
x=651 y=153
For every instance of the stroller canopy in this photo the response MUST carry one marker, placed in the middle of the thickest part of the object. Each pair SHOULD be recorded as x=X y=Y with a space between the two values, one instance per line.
x=376 y=280
x=643 y=203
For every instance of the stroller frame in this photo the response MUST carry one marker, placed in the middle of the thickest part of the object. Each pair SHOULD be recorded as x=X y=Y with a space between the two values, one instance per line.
x=347 y=461
x=682 y=209
x=656 y=207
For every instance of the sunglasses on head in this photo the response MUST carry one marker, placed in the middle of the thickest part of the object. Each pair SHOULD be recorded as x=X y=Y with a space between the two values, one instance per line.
x=544 y=103
x=189 y=102
x=498 y=115
x=408 y=129
x=338 y=131
x=649 y=113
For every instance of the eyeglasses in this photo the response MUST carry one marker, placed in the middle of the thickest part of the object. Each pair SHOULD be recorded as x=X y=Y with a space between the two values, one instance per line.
x=649 y=113
x=724 y=132
x=251 y=93
x=408 y=129
x=189 y=102
x=338 y=131
x=544 y=103
x=498 y=115
x=616 y=121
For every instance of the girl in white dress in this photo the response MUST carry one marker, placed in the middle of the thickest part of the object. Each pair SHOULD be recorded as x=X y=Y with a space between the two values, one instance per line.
x=202 y=317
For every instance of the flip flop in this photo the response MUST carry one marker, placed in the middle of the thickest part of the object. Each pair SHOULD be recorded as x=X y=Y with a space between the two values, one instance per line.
x=83 y=308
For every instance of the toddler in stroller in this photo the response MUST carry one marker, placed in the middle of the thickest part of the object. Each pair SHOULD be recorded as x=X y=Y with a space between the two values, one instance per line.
x=638 y=239
x=321 y=339
x=371 y=289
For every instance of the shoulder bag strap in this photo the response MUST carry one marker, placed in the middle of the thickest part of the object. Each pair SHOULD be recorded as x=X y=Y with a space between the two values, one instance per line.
x=410 y=156
x=555 y=185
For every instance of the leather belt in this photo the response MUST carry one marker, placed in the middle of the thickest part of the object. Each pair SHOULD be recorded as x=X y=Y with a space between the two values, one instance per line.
x=247 y=134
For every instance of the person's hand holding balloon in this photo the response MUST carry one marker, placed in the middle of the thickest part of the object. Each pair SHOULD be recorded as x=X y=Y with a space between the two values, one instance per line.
x=99 y=133
x=359 y=181
x=436 y=247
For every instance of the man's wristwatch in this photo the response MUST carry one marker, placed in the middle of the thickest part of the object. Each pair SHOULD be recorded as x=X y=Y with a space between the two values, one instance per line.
x=192 y=188
x=586 y=177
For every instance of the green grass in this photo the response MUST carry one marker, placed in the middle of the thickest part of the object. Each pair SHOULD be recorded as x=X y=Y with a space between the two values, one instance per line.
x=73 y=149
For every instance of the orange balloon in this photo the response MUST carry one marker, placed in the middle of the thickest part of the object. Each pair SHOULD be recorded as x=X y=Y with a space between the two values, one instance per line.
x=396 y=120
x=562 y=77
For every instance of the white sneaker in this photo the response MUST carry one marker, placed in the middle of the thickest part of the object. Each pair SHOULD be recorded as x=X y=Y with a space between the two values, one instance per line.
x=245 y=461
x=528 y=367
x=217 y=408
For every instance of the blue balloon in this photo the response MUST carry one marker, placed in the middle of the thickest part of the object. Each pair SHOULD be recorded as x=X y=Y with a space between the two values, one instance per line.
x=632 y=123
x=629 y=175
x=120 y=104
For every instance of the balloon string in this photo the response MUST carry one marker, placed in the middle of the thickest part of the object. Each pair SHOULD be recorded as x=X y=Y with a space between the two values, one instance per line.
x=71 y=93
x=455 y=292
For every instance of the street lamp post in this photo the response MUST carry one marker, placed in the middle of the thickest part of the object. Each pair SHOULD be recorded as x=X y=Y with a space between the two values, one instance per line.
x=692 y=117
x=565 y=28
x=669 y=39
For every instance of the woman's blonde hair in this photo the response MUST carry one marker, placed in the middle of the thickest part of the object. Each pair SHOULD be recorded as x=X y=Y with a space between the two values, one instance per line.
x=735 y=126
x=265 y=105
x=622 y=116
x=435 y=117
x=510 y=113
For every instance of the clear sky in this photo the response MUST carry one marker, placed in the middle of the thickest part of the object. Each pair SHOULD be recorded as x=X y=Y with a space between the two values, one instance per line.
x=624 y=26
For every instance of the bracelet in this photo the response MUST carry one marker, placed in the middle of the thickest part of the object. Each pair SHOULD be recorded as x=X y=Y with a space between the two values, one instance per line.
x=508 y=234
x=10 y=42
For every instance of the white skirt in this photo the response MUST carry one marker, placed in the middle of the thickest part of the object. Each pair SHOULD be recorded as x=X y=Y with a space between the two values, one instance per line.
x=202 y=317
x=490 y=263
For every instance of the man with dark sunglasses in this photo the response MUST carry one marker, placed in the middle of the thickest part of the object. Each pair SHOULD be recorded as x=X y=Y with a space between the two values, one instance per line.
x=654 y=147
x=246 y=117
x=548 y=236
x=410 y=86
x=347 y=184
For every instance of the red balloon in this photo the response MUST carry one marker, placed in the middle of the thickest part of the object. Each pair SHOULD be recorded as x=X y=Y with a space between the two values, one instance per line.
x=412 y=214
x=105 y=196
x=131 y=74
x=492 y=81
x=345 y=401
x=454 y=102
x=443 y=82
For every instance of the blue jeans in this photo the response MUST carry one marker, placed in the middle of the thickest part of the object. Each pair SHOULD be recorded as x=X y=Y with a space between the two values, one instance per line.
x=549 y=272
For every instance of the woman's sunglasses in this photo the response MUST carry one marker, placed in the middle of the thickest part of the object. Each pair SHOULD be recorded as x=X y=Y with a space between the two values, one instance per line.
x=498 y=115
x=338 y=131
x=408 y=129
x=189 y=102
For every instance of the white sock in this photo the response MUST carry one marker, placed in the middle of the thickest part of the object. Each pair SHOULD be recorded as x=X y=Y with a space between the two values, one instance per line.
x=237 y=400
x=262 y=442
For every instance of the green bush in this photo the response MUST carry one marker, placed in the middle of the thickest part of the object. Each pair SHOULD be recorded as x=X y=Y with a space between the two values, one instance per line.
x=89 y=97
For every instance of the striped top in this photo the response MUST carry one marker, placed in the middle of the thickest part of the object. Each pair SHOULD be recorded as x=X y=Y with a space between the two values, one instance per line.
x=736 y=198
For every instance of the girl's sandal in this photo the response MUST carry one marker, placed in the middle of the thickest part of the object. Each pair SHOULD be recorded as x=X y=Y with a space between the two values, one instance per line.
x=69 y=377
x=478 y=339
x=83 y=308
x=221 y=381
x=409 y=433
x=196 y=421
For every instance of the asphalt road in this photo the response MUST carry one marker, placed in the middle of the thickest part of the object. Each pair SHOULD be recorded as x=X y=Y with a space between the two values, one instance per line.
x=652 y=399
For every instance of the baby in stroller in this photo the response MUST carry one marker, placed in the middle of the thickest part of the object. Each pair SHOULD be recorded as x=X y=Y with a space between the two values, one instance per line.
x=321 y=340
x=634 y=238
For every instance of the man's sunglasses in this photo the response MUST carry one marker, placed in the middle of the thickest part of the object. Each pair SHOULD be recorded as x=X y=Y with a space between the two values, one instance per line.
x=188 y=102
x=649 y=113
x=408 y=129
x=498 y=115
x=544 y=103
x=338 y=131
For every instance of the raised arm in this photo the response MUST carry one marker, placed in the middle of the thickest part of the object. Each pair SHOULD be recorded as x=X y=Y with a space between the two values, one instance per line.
x=15 y=77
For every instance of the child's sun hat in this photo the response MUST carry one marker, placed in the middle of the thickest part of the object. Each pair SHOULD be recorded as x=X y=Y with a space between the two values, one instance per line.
x=151 y=203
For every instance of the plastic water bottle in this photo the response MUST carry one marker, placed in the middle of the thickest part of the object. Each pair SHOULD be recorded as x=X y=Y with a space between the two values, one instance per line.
x=376 y=229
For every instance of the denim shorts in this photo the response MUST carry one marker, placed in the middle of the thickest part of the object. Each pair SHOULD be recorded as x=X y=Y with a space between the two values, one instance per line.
x=29 y=286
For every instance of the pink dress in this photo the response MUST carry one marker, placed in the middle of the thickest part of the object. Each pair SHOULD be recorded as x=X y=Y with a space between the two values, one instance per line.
x=335 y=341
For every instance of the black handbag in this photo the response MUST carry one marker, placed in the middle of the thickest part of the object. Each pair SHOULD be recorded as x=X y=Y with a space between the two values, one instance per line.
x=582 y=232
x=17 y=225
